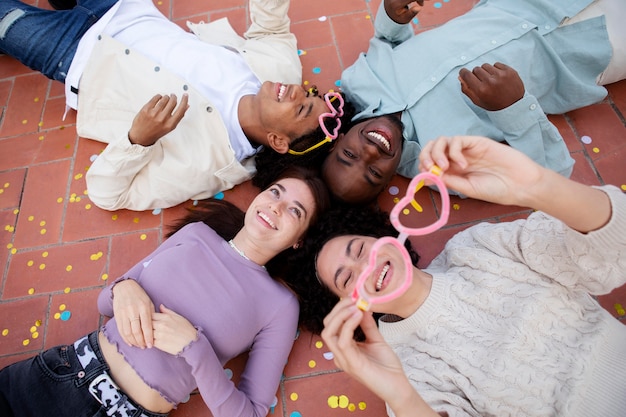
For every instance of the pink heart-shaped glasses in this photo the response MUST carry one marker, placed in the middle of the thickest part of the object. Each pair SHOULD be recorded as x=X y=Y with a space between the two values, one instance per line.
x=364 y=300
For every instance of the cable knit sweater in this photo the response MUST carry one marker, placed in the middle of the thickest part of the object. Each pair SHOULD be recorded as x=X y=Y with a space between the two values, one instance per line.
x=510 y=327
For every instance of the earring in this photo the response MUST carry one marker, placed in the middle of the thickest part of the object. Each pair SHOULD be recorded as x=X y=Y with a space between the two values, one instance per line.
x=296 y=245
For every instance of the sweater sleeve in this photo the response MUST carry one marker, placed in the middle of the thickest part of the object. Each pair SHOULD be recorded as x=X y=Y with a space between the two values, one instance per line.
x=261 y=376
x=594 y=262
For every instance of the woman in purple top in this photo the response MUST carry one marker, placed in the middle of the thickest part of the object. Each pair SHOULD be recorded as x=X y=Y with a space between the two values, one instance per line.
x=201 y=298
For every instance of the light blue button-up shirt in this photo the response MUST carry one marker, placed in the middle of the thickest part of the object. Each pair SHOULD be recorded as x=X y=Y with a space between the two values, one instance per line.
x=418 y=75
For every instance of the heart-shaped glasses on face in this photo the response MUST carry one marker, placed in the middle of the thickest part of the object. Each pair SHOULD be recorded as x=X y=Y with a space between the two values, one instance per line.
x=364 y=300
x=334 y=115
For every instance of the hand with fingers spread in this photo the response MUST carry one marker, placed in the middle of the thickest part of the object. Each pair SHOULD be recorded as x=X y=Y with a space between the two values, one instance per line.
x=402 y=11
x=492 y=87
x=157 y=118
x=371 y=362
x=172 y=332
x=133 y=311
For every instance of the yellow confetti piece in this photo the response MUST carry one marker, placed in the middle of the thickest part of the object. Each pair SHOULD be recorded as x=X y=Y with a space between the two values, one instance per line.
x=362 y=406
x=596 y=150
x=72 y=199
x=619 y=309
x=67 y=290
x=319 y=344
x=36 y=99
x=31 y=291
x=16 y=211
x=312 y=364
x=40 y=124
x=105 y=277
x=395 y=200
x=143 y=236
x=68 y=268
x=42 y=223
x=57 y=316
x=78 y=176
x=623 y=187
x=43 y=231
x=406 y=212
x=31 y=218
x=1 y=190
x=33 y=329
x=85 y=192
x=40 y=137
x=9 y=246
x=13 y=251
x=88 y=206
x=136 y=220
x=35 y=335
x=114 y=217
x=456 y=207
x=42 y=267
x=26 y=342
x=351 y=407
x=30 y=263
x=44 y=254
x=306 y=82
x=5 y=332
x=333 y=401
x=60 y=200
x=368 y=17
x=38 y=323
x=24 y=121
x=343 y=401
x=293 y=396
x=77 y=199
x=62 y=307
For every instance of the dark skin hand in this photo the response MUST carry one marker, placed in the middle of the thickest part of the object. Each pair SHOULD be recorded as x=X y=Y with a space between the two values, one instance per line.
x=492 y=87
x=402 y=11
x=157 y=118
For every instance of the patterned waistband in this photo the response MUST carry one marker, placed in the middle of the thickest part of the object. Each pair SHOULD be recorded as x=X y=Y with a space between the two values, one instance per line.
x=102 y=387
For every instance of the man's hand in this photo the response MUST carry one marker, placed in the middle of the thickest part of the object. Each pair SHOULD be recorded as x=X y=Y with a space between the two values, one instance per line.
x=492 y=87
x=156 y=119
x=402 y=11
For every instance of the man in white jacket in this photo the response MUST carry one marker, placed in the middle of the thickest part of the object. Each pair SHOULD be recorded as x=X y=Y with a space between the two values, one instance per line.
x=125 y=65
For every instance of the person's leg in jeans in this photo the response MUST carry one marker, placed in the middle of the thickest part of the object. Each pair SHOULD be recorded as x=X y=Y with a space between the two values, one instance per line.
x=46 y=40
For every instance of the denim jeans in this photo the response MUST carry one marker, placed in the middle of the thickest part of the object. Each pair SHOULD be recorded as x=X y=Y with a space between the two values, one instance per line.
x=53 y=383
x=46 y=40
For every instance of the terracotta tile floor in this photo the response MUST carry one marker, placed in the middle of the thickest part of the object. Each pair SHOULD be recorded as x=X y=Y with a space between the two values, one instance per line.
x=58 y=250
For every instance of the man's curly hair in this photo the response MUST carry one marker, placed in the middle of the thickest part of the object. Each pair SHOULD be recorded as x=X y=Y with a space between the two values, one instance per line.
x=316 y=300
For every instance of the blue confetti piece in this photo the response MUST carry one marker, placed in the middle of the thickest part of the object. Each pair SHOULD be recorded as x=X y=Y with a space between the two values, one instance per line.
x=446 y=1
x=416 y=21
x=65 y=316
x=300 y=52
x=338 y=83
x=219 y=196
x=195 y=202
x=156 y=211
x=317 y=70
x=229 y=373
x=295 y=414
x=437 y=5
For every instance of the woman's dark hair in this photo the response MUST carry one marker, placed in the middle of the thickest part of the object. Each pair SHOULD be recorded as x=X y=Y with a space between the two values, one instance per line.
x=316 y=300
x=227 y=219
x=270 y=164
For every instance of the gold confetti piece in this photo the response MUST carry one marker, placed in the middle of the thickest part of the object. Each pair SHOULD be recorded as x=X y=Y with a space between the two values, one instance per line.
x=31 y=291
x=40 y=137
x=42 y=267
x=26 y=342
x=368 y=17
x=33 y=329
x=143 y=236
x=77 y=199
x=62 y=307
x=293 y=396
x=85 y=192
x=13 y=251
x=24 y=121
x=406 y=212
x=1 y=190
x=78 y=176
x=30 y=263
x=596 y=150
x=395 y=200
x=60 y=200
x=31 y=218
x=619 y=309
x=312 y=364
x=6 y=185
x=114 y=217
x=35 y=335
x=5 y=332
x=11 y=229
x=343 y=401
x=9 y=245
x=67 y=290
x=42 y=223
x=362 y=406
x=306 y=82
x=136 y=220
x=68 y=268
x=319 y=344
x=105 y=277
x=36 y=99
x=57 y=316
x=43 y=231
x=351 y=407
x=88 y=206
x=16 y=211
x=44 y=254
x=333 y=401
x=623 y=187
x=38 y=323
x=40 y=124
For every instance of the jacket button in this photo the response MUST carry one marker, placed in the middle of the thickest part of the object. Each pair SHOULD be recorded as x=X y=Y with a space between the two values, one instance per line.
x=209 y=109
x=81 y=374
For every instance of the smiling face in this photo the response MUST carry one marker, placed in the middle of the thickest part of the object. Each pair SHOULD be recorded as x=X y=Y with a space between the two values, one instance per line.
x=281 y=214
x=364 y=160
x=342 y=259
x=288 y=109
